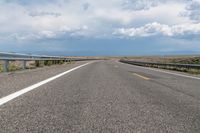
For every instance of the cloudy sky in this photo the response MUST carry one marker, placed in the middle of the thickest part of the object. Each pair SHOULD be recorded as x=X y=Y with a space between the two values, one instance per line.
x=98 y=27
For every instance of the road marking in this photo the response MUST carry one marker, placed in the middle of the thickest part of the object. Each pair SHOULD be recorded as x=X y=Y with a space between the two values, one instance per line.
x=171 y=73
x=32 y=87
x=143 y=77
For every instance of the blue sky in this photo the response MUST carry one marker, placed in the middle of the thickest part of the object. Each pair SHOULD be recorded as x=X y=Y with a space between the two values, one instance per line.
x=93 y=27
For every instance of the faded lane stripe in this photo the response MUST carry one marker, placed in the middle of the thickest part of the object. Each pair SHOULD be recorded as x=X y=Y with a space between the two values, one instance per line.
x=143 y=77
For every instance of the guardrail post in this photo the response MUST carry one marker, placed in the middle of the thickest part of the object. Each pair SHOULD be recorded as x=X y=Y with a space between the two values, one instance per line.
x=24 y=64
x=6 y=66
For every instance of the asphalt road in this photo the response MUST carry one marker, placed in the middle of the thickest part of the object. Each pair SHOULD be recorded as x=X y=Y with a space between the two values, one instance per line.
x=104 y=96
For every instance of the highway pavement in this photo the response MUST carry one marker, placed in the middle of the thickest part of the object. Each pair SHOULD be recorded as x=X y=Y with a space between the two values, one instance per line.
x=100 y=97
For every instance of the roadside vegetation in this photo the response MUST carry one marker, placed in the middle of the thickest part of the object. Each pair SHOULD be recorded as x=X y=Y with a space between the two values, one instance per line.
x=1 y=67
x=17 y=65
x=195 y=60
x=167 y=59
x=170 y=59
x=187 y=70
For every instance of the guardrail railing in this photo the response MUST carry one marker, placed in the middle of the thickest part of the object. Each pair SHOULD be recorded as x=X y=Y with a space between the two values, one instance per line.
x=140 y=63
x=6 y=57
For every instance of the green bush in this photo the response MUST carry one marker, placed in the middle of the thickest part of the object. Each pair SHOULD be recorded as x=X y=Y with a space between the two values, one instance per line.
x=70 y=62
x=61 y=62
x=13 y=67
x=39 y=63
x=1 y=68
x=194 y=71
x=48 y=63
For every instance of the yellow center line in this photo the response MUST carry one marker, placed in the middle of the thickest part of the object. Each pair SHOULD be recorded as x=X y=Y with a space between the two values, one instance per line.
x=143 y=77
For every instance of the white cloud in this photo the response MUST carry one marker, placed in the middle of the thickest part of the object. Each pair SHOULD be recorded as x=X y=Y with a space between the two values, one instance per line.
x=93 y=18
x=35 y=14
x=140 y=4
x=47 y=34
x=155 y=28
x=193 y=10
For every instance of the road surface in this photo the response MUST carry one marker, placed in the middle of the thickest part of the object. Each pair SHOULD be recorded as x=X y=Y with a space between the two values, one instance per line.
x=102 y=96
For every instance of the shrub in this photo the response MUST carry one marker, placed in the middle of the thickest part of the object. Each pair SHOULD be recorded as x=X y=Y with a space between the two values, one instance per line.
x=48 y=63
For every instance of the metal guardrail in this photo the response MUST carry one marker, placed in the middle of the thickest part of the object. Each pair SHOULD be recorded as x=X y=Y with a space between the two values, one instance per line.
x=138 y=63
x=6 y=57
x=18 y=56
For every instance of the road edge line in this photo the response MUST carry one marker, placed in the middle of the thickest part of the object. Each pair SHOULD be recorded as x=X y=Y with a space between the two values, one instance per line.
x=14 y=95
x=166 y=72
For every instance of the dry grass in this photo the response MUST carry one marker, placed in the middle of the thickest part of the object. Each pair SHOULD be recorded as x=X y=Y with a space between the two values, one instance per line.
x=1 y=67
x=171 y=59
x=168 y=59
x=17 y=65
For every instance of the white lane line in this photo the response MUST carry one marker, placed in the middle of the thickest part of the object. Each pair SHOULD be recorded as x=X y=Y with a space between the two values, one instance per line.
x=171 y=73
x=32 y=87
